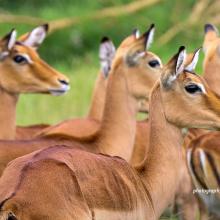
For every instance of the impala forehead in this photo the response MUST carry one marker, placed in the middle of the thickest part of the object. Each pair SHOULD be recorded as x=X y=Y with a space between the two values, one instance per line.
x=22 y=49
x=151 y=56
x=192 y=78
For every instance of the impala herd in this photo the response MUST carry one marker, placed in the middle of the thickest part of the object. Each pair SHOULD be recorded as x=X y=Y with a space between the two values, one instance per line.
x=108 y=165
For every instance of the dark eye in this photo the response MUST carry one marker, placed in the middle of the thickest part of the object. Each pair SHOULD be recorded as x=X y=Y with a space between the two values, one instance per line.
x=154 y=63
x=193 y=88
x=20 y=59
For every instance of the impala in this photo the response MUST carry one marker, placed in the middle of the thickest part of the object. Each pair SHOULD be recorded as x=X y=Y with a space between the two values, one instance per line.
x=69 y=183
x=23 y=71
x=83 y=127
x=125 y=89
x=211 y=66
x=90 y=124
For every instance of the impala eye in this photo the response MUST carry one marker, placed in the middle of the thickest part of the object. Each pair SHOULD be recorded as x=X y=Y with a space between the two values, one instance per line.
x=19 y=59
x=193 y=88
x=154 y=63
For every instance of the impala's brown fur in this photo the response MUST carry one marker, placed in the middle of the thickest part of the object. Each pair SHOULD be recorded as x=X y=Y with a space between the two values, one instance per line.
x=31 y=76
x=124 y=91
x=91 y=186
x=211 y=63
x=30 y=131
x=86 y=126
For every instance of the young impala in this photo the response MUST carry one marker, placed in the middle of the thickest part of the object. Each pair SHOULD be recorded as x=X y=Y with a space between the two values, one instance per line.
x=23 y=71
x=69 y=183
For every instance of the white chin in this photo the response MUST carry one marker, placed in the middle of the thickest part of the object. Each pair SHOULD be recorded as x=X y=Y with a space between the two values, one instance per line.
x=57 y=92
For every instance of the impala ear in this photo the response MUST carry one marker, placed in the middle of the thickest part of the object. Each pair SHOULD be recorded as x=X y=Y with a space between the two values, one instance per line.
x=174 y=68
x=7 y=43
x=211 y=34
x=136 y=33
x=36 y=37
x=210 y=28
x=181 y=57
x=106 y=55
x=9 y=40
x=150 y=36
x=138 y=48
x=192 y=65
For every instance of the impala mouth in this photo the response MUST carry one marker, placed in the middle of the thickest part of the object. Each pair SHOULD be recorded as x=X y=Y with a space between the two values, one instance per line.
x=61 y=91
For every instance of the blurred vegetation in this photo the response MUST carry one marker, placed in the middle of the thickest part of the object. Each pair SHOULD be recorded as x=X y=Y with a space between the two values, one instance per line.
x=74 y=50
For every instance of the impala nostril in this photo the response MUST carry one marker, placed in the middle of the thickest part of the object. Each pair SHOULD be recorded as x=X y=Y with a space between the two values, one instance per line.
x=64 y=82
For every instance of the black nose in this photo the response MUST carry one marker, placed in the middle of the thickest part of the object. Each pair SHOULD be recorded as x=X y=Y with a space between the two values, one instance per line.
x=64 y=82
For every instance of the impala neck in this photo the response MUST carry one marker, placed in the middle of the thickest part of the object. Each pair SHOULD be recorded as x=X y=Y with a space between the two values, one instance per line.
x=7 y=114
x=118 y=126
x=98 y=98
x=160 y=171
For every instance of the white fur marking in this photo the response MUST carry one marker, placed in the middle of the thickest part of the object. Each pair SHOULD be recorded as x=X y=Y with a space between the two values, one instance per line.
x=29 y=60
x=202 y=158
x=137 y=34
x=3 y=55
x=201 y=86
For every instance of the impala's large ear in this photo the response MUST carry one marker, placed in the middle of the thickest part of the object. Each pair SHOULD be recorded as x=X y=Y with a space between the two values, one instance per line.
x=174 y=67
x=36 y=37
x=211 y=33
x=192 y=64
x=138 y=48
x=136 y=33
x=106 y=55
x=9 y=40
x=7 y=43
x=150 y=36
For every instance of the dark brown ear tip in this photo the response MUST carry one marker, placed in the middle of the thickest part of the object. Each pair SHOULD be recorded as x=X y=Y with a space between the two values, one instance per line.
x=209 y=27
x=46 y=27
x=152 y=26
x=104 y=39
x=181 y=48
x=9 y=34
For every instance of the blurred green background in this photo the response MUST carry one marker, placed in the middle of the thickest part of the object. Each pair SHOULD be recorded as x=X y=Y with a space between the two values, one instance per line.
x=74 y=50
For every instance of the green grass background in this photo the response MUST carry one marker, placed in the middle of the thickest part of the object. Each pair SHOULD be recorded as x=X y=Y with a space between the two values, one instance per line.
x=74 y=50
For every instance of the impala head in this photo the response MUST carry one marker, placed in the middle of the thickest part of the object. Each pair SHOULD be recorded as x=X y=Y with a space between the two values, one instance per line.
x=187 y=99
x=23 y=71
x=106 y=55
x=141 y=67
